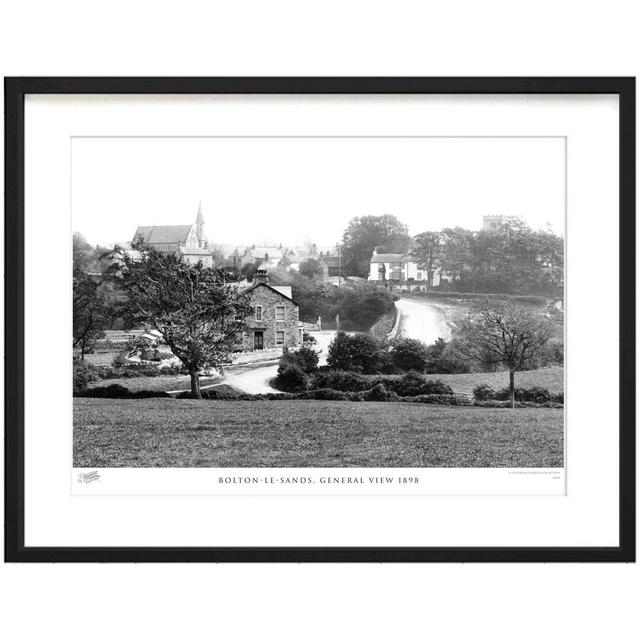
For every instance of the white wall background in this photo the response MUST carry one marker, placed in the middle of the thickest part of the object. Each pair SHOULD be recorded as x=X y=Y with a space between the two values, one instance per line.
x=329 y=38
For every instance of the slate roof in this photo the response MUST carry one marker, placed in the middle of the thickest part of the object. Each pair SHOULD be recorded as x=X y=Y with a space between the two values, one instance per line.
x=390 y=257
x=166 y=234
x=278 y=289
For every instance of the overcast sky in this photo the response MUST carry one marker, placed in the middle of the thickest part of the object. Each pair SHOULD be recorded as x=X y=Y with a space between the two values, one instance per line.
x=290 y=190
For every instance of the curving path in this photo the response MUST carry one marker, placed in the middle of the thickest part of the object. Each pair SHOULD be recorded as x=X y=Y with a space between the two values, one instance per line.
x=422 y=320
x=255 y=378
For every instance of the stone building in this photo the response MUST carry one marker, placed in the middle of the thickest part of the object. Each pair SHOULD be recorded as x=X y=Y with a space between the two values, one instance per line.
x=186 y=241
x=275 y=321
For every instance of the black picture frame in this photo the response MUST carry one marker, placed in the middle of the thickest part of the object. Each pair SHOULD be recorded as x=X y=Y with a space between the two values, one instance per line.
x=15 y=91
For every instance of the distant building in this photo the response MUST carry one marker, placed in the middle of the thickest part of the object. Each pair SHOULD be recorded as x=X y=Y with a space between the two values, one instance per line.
x=493 y=223
x=185 y=241
x=253 y=254
x=295 y=256
x=275 y=319
x=332 y=262
x=399 y=271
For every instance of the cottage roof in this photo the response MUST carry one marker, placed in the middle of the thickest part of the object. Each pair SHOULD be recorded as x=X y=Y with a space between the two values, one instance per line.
x=283 y=289
x=390 y=257
x=166 y=234
x=278 y=289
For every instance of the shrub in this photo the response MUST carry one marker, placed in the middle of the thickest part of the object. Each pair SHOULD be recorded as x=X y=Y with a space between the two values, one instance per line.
x=304 y=357
x=380 y=393
x=219 y=392
x=120 y=360
x=537 y=395
x=308 y=339
x=483 y=392
x=322 y=394
x=361 y=305
x=439 y=398
x=443 y=357
x=359 y=352
x=290 y=378
x=409 y=354
x=414 y=384
x=83 y=375
x=341 y=380
x=118 y=391
x=506 y=404
x=135 y=370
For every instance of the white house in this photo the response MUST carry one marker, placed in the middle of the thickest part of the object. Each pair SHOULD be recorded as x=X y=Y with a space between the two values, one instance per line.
x=399 y=271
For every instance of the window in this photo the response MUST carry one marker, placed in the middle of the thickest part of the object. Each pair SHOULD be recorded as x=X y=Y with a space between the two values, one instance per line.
x=258 y=313
x=279 y=338
x=396 y=271
x=279 y=314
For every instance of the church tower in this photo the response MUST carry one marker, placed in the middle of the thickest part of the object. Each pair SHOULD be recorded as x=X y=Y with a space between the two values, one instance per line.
x=202 y=242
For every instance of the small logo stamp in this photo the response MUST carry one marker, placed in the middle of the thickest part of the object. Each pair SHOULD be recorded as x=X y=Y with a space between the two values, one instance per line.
x=88 y=477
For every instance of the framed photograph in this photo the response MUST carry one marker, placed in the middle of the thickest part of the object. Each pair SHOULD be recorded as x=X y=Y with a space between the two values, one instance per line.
x=320 y=319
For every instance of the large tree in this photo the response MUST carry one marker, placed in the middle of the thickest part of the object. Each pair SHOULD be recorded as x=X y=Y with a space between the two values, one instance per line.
x=199 y=315
x=428 y=251
x=504 y=333
x=364 y=234
x=92 y=296
x=91 y=311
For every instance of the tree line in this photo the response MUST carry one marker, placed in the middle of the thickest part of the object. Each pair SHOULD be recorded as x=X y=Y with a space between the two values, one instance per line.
x=513 y=259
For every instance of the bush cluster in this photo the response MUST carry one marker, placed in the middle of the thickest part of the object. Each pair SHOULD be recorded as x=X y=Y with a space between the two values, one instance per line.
x=219 y=392
x=408 y=354
x=410 y=384
x=535 y=395
x=290 y=377
x=137 y=371
x=341 y=380
x=83 y=375
x=304 y=357
x=379 y=393
x=439 y=398
x=506 y=404
x=359 y=352
x=114 y=391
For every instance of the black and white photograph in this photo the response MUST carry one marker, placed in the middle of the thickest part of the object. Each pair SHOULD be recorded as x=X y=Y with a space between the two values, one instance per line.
x=320 y=319
x=319 y=301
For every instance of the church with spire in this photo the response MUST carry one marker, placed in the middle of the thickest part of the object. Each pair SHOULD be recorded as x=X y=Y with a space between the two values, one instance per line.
x=187 y=242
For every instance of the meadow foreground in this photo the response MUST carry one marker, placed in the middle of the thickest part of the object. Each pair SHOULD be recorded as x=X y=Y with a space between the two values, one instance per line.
x=311 y=433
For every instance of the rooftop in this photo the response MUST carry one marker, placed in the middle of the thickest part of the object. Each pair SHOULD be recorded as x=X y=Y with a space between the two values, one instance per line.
x=390 y=257
x=165 y=234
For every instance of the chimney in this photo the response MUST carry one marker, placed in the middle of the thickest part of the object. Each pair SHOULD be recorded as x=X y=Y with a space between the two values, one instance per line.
x=262 y=275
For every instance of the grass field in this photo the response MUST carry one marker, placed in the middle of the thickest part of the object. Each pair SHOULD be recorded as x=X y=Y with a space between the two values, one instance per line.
x=551 y=378
x=191 y=433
